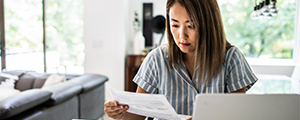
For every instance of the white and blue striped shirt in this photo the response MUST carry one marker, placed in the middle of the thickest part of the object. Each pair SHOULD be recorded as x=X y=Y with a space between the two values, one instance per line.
x=156 y=77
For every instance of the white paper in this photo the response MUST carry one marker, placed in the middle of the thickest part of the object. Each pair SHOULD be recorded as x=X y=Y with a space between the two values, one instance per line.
x=151 y=105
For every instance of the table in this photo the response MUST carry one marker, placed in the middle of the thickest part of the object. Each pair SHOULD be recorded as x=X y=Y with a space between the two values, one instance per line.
x=274 y=84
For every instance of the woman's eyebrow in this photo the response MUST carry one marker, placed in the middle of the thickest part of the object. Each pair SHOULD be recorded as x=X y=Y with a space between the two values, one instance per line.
x=174 y=20
x=178 y=21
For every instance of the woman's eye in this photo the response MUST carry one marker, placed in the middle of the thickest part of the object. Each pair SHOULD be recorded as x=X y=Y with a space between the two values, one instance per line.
x=192 y=27
x=176 y=26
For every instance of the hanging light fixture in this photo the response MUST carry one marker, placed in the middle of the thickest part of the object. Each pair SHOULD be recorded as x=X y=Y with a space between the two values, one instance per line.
x=261 y=9
x=273 y=8
x=264 y=9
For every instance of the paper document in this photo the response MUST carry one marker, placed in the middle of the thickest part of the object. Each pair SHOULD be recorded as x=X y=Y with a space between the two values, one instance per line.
x=151 y=105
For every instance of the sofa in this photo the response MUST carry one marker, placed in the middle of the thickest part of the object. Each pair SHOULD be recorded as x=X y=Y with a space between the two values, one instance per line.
x=79 y=97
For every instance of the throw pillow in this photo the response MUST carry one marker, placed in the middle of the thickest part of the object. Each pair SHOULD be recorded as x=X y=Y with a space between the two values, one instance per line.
x=13 y=74
x=54 y=79
x=18 y=73
x=5 y=93
x=7 y=88
x=9 y=76
x=2 y=79
x=5 y=76
x=7 y=83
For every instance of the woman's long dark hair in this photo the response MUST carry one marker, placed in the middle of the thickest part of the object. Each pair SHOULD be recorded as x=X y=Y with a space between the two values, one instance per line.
x=211 y=43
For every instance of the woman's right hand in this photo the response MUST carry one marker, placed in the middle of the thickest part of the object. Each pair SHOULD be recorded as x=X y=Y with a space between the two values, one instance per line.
x=115 y=110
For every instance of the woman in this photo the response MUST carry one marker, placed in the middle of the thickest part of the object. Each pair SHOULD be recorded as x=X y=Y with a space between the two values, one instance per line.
x=198 y=59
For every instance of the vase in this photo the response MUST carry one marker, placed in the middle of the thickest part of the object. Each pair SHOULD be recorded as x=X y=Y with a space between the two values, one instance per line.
x=138 y=43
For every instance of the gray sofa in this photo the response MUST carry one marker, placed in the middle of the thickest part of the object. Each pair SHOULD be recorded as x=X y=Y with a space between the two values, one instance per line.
x=80 y=97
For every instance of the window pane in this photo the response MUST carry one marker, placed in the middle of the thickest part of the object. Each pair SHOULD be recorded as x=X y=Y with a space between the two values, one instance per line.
x=24 y=35
x=260 y=38
x=64 y=35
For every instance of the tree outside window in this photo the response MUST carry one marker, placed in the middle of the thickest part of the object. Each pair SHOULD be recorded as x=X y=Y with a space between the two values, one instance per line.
x=260 y=38
x=64 y=35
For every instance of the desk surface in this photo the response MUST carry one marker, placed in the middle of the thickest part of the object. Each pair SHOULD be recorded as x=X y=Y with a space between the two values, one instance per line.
x=274 y=84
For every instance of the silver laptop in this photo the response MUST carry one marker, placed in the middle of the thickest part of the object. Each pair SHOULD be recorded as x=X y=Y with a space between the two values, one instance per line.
x=247 y=107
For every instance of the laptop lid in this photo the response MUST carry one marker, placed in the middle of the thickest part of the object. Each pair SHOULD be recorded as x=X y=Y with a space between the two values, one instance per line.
x=246 y=107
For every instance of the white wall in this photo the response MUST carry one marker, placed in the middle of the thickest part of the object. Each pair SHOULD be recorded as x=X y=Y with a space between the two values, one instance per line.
x=108 y=32
x=105 y=40
x=159 y=8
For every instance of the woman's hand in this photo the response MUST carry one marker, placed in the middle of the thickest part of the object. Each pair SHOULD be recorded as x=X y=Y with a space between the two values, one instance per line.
x=115 y=110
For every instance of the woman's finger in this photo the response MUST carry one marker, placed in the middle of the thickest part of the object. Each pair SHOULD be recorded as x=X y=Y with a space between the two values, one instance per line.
x=116 y=112
x=111 y=103
x=119 y=116
x=115 y=108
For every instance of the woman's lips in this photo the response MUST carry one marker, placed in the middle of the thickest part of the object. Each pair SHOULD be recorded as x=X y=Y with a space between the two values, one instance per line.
x=184 y=44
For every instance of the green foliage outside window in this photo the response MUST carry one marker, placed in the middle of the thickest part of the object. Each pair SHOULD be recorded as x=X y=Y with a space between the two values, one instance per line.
x=64 y=30
x=23 y=26
x=261 y=38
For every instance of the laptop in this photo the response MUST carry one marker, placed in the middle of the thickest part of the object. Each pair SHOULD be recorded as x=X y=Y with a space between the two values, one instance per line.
x=246 y=107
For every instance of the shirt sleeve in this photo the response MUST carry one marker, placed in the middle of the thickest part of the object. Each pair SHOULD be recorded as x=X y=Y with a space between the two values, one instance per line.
x=146 y=76
x=239 y=73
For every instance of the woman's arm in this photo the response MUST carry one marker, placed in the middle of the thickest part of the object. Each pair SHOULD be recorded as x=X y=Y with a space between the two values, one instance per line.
x=130 y=116
x=243 y=90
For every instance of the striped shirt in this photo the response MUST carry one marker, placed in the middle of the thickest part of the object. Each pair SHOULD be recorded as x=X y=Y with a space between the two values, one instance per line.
x=156 y=77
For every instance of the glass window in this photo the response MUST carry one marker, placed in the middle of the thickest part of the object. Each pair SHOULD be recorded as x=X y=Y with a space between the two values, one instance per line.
x=64 y=36
x=260 y=38
x=24 y=35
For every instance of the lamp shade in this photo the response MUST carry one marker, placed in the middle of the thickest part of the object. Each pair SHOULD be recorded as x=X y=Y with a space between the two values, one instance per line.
x=158 y=24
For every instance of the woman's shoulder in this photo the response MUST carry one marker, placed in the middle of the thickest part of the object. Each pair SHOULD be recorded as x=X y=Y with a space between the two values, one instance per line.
x=233 y=53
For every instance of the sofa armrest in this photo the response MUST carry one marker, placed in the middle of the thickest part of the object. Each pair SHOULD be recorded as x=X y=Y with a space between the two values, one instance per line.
x=62 y=92
x=23 y=101
x=89 y=81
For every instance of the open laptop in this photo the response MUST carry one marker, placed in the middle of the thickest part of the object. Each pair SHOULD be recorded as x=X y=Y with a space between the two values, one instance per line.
x=246 y=107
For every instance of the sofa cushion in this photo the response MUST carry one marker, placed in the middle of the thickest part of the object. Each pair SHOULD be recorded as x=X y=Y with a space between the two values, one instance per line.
x=4 y=77
x=14 y=74
x=22 y=102
x=7 y=89
x=89 y=81
x=7 y=85
x=54 y=79
x=26 y=81
x=18 y=73
x=5 y=93
x=62 y=92
x=39 y=82
x=7 y=80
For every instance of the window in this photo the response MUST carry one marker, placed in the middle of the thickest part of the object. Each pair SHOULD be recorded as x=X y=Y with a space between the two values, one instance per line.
x=261 y=38
x=64 y=35
x=24 y=35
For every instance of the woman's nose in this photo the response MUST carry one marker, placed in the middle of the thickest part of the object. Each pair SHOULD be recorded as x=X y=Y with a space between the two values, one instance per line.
x=182 y=33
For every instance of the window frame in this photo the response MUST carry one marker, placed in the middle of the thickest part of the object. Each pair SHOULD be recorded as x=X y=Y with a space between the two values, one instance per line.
x=2 y=24
x=2 y=34
x=296 y=53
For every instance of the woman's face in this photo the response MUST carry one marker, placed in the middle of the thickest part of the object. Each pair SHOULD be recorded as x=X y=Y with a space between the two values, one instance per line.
x=182 y=29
